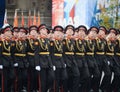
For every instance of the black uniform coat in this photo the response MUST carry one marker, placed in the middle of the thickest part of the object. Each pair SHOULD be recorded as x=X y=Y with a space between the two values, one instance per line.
x=44 y=53
x=20 y=48
x=7 y=60
x=32 y=51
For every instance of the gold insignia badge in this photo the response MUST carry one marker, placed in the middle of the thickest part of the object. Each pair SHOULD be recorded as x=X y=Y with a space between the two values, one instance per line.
x=51 y=44
x=13 y=44
x=36 y=43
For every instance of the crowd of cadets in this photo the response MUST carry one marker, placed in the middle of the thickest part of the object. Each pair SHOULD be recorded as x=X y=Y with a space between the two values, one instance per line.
x=60 y=60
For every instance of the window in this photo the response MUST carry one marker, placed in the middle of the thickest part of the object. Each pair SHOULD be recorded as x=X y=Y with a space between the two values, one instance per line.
x=10 y=2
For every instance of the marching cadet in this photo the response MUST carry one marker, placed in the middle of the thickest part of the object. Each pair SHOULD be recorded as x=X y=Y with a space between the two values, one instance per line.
x=110 y=61
x=90 y=52
x=1 y=66
x=44 y=64
x=80 y=58
x=15 y=31
x=20 y=60
x=100 y=53
x=69 y=59
x=32 y=47
x=7 y=62
x=116 y=81
x=59 y=66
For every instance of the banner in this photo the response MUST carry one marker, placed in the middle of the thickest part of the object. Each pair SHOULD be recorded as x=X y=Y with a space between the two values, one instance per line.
x=75 y=12
x=86 y=12
x=57 y=12
x=2 y=12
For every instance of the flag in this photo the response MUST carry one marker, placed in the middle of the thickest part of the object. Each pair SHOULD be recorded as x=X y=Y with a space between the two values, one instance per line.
x=22 y=21
x=15 y=24
x=29 y=19
x=5 y=17
x=38 y=22
x=34 y=19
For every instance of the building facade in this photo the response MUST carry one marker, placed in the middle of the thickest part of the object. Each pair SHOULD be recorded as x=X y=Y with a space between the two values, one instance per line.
x=43 y=6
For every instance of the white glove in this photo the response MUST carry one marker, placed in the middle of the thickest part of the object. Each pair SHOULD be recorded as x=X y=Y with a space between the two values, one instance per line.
x=1 y=66
x=54 y=68
x=108 y=62
x=65 y=65
x=38 y=68
x=16 y=65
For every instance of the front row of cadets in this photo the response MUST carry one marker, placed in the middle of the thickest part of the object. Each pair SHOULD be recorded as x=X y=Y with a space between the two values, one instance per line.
x=66 y=60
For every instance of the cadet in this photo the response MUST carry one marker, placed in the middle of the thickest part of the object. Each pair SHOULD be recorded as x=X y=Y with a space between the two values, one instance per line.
x=116 y=81
x=20 y=59
x=100 y=53
x=15 y=31
x=7 y=61
x=80 y=49
x=56 y=50
x=110 y=61
x=69 y=59
x=90 y=52
x=32 y=48
x=44 y=65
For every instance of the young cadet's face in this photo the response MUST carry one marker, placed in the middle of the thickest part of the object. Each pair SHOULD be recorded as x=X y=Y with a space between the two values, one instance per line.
x=58 y=34
x=112 y=35
x=15 y=34
x=8 y=33
x=101 y=33
x=93 y=33
x=69 y=32
x=33 y=32
x=21 y=34
x=43 y=31
x=81 y=32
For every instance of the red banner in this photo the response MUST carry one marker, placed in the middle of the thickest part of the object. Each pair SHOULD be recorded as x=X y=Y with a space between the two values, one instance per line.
x=57 y=11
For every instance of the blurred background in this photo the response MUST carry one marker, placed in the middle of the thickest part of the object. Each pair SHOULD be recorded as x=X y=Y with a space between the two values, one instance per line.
x=63 y=12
